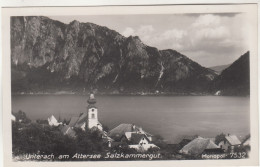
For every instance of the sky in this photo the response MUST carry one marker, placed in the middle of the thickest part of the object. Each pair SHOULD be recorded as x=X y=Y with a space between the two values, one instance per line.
x=209 y=39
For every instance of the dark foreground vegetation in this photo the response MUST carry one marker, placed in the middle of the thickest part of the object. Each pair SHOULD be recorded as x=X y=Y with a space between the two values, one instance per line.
x=32 y=139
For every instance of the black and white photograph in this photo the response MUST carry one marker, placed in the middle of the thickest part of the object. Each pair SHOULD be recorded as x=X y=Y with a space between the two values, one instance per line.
x=170 y=86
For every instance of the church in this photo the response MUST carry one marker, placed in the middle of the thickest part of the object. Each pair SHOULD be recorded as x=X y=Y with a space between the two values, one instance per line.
x=131 y=134
x=88 y=119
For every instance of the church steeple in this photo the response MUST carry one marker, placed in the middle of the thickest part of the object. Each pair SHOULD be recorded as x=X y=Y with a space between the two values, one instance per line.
x=93 y=113
x=91 y=101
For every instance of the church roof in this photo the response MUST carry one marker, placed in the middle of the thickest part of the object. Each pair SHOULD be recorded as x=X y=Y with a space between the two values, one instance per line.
x=91 y=106
x=73 y=121
x=83 y=118
x=92 y=101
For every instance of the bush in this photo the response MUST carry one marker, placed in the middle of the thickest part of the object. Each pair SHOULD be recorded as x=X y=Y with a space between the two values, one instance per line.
x=21 y=117
x=34 y=138
x=219 y=138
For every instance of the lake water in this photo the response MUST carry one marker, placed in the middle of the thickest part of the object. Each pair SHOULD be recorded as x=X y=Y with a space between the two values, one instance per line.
x=169 y=116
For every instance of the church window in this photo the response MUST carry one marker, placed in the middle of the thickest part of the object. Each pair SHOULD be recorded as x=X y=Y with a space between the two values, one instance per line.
x=93 y=116
x=93 y=110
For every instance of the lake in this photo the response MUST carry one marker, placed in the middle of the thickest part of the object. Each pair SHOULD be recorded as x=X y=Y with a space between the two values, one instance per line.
x=169 y=116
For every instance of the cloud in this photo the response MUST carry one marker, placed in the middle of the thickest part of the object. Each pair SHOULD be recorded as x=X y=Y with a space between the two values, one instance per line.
x=171 y=38
x=173 y=34
x=215 y=33
x=206 y=37
x=145 y=29
x=207 y=20
x=128 y=31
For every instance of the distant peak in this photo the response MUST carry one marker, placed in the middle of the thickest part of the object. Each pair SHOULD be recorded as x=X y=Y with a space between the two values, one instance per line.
x=134 y=37
x=74 y=22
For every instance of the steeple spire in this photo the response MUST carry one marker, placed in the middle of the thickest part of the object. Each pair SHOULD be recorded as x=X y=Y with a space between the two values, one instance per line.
x=91 y=99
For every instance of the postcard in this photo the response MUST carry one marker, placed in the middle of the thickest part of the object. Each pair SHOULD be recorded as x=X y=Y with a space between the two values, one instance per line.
x=130 y=85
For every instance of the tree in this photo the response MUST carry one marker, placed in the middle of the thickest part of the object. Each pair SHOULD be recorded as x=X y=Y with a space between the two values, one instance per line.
x=35 y=138
x=105 y=128
x=159 y=141
x=21 y=117
x=40 y=139
x=219 y=138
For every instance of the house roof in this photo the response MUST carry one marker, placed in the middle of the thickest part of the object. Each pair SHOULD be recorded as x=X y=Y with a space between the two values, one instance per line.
x=66 y=130
x=246 y=140
x=137 y=137
x=184 y=138
x=233 y=140
x=73 y=121
x=71 y=132
x=197 y=146
x=52 y=121
x=128 y=135
x=81 y=120
x=141 y=130
x=121 y=129
x=114 y=144
x=13 y=117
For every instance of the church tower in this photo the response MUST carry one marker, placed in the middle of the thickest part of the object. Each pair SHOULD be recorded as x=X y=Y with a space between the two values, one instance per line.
x=93 y=113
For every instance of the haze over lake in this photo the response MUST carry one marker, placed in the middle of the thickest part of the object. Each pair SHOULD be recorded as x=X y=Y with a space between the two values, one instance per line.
x=168 y=116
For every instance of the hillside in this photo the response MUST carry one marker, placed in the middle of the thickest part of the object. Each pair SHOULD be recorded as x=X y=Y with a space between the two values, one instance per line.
x=50 y=56
x=220 y=68
x=234 y=80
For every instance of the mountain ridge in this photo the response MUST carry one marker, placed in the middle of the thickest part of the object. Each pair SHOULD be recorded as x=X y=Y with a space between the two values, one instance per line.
x=49 y=55
x=219 y=68
x=234 y=80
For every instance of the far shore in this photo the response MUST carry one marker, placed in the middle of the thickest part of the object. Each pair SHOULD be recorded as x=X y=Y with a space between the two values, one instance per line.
x=122 y=94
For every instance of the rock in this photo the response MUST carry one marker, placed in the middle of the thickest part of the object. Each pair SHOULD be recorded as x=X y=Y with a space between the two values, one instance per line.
x=53 y=56
x=234 y=80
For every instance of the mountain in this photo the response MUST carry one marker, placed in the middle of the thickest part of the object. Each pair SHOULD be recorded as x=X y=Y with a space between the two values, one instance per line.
x=220 y=68
x=50 y=56
x=234 y=80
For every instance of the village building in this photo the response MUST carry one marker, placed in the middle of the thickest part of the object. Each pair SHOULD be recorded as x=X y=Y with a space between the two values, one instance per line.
x=229 y=143
x=67 y=130
x=246 y=141
x=53 y=121
x=13 y=117
x=138 y=141
x=132 y=135
x=199 y=146
x=88 y=119
x=185 y=140
x=121 y=129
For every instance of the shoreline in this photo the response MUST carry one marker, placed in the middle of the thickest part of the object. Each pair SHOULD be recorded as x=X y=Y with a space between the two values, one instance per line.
x=125 y=94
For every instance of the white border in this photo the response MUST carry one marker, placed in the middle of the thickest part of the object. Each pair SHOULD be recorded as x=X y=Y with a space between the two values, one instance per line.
x=251 y=9
x=64 y=3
